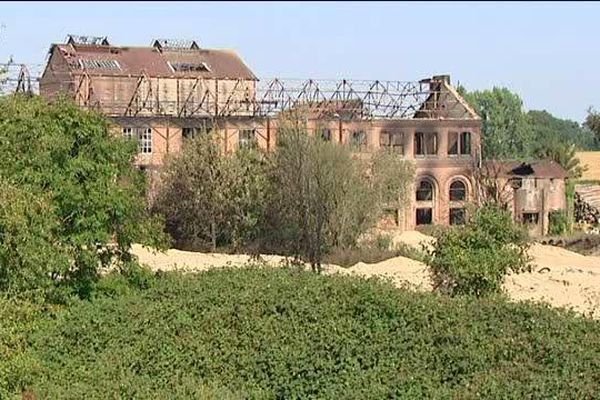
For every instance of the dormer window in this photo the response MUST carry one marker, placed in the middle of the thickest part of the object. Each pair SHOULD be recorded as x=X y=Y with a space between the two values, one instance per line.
x=189 y=67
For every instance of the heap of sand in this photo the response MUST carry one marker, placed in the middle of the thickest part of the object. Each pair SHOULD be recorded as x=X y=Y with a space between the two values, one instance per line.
x=560 y=277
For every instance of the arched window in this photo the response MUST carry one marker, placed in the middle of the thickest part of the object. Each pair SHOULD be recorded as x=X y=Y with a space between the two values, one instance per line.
x=458 y=191
x=425 y=191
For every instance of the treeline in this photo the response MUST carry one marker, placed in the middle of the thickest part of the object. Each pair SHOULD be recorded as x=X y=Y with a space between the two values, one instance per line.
x=304 y=199
x=509 y=132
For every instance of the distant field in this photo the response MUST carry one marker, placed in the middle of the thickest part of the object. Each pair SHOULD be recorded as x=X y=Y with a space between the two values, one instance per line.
x=592 y=160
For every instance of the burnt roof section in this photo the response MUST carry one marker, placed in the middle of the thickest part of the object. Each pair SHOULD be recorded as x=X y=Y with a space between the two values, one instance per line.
x=537 y=169
x=137 y=61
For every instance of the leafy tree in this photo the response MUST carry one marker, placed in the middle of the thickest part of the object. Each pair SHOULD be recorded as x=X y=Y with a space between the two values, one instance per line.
x=563 y=154
x=546 y=128
x=505 y=132
x=210 y=199
x=29 y=254
x=321 y=197
x=64 y=157
x=592 y=122
x=475 y=258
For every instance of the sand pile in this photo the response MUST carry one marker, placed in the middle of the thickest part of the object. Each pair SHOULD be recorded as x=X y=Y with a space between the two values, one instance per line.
x=560 y=277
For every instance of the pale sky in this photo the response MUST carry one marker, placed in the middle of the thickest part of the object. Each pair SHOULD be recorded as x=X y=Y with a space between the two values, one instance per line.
x=549 y=53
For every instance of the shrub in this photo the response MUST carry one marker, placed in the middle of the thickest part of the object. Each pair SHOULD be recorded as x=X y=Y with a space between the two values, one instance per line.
x=210 y=199
x=558 y=222
x=282 y=333
x=66 y=163
x=475 y=258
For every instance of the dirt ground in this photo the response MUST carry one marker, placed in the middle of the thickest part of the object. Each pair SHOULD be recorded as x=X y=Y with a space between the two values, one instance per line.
x=560 y=277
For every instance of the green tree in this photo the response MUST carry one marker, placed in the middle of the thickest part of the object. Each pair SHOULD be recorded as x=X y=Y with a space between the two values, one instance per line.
x=60 y=154
x=209 y=199
x=475 y=258
x=592 y=122
x=506 y=133
x=321 y=197
x=546 y=128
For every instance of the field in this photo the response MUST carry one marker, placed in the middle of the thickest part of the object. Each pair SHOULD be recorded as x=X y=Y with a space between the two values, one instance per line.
x=591 y=159
x=270 y=333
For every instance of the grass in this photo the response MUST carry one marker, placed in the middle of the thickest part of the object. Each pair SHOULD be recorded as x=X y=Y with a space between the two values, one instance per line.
x=283 y=333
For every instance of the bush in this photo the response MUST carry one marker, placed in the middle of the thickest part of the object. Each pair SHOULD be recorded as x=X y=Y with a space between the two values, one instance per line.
x=558 y=222
x=283 y=333
x=474 y=259
x=80 y=178
x=210 y=199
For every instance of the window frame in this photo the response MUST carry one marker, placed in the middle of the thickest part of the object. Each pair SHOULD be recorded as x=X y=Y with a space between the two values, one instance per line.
x=145 y=140
x=247 y=142
x=453 y=191
x=419 y=190
x=421 y=141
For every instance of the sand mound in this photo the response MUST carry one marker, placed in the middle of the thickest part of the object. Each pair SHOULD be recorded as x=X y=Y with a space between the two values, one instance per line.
x=189 y=261
x=560 y=277
x=401 y=270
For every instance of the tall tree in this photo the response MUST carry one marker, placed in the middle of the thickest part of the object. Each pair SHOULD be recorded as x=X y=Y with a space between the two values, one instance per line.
x=321 y=196
x=505 y=133
x=546 y=128
x=210 y=199
x=592 y=122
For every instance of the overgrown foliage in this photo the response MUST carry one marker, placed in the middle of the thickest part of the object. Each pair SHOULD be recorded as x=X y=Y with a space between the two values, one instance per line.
x=475 y=258
x=268 y=333
x=509 y=132
x=210 y=199
x=592 y=122
x=73 y=202
x=321 y=197
x=558 y=223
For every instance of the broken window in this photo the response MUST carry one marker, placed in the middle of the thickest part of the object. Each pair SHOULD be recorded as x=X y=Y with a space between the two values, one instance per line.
x=392 y=140
x=424 y=216
x=99 y=64
x=189 y=133
x=425 y=191
x=189 y=67
x=145 y=138
x=247 y=138
x=326 y=135
x=459 y=144
x=359 y=139
x=425 y=143
x=465 y=143
x=452 y=143
x=458 y=191
x=531 y=218
x=457 y=216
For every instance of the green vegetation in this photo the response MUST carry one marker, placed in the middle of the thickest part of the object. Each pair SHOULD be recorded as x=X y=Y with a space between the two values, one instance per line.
x=210 y=200
x=304 y=199
x=283 y=333
x=377 y=249
x=558 y=223
x=511 y=133
x=72 y=202
x=474 y=259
